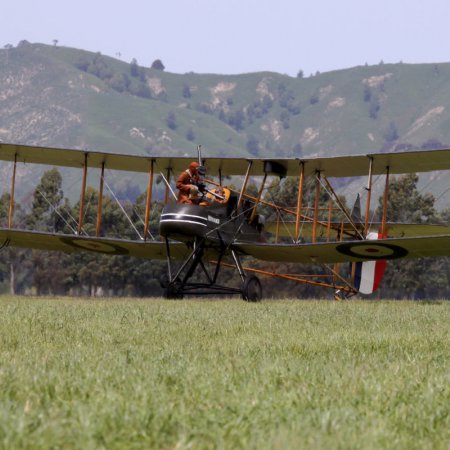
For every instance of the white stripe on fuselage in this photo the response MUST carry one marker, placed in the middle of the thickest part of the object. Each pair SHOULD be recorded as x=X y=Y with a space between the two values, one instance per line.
x=183 y=215
x=184 y=221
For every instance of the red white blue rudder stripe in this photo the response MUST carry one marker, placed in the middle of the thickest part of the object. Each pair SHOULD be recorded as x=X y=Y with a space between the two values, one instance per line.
x=368 y=274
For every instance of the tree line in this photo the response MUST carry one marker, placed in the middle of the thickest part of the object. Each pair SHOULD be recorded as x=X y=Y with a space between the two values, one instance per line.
x=79 y=274
x=93 y=274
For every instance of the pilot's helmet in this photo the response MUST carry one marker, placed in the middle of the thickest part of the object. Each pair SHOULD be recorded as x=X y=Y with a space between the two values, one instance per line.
x=193 y=166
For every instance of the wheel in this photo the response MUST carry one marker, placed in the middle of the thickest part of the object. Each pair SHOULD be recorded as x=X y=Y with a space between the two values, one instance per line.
x=251 y=289
x=342 y=295
x=164 y=281
x=173 y=291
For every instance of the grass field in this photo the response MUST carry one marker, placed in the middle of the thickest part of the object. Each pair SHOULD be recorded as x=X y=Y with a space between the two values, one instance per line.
x=92 y=374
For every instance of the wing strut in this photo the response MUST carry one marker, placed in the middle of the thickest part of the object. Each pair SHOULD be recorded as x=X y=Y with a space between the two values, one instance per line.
x=244 y=186
x=258 y=199
x=82 y=195
x=385 y=204
x=11 y=200
x=148 y=201
x=100 y=201
x=168 y=188
x=299 y=201
x=316 y=207
x=369 y=193
x=342 y=207
x=238 y=265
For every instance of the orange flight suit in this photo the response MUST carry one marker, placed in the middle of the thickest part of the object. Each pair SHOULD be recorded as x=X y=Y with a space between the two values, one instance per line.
x=184 y=182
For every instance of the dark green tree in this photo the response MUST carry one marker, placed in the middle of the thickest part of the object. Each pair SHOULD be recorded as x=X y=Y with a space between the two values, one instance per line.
x=157 y=65
x=171 y=121
x=134 y=68
x=190 y=135
x=374 y=107
x=414 y=278
x=391 y=133
x=47 y=267
x=83 y=63
x=15 y=263
x=99 y=67
x=237 y=120
x=120 y=82
x=406 y=204
x=186 y=91
x=253 y=145
x=140 y=90
x=47 y=199
x=314 y=98
x=285 y=119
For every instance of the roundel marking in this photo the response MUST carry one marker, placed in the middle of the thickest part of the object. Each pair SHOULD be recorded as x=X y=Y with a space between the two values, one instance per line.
x=95 y=246
x=372 y=250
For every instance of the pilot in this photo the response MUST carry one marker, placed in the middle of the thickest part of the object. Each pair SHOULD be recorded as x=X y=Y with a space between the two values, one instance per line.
x=188 y=185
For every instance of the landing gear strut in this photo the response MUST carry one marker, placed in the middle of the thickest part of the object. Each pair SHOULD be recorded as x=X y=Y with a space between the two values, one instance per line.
x=251 y=289
x=177 y=283
x=172 y=291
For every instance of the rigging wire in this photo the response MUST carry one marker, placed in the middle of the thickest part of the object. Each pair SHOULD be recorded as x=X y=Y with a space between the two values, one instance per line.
x=442 y=194
x=346 y=213
x=279 y=215
x=87 y=206
x=439 y=196
x=123 y=210
x=136 y=212
x=244 y=211
x=167 y=183
x=56 y=210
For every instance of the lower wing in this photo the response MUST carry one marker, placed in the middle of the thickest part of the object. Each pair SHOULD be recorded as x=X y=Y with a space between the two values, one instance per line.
x=349 y=251
x=71 y=243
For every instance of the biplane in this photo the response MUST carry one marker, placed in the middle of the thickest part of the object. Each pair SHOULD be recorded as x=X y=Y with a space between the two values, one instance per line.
x=224 y=229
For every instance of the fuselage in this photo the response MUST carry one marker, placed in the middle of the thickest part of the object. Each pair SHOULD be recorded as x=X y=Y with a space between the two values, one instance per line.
x=217 y=223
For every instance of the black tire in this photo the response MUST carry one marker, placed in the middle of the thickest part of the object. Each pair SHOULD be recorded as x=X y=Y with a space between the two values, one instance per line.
x=164 y=281
x=173 y=291
x=251 y=289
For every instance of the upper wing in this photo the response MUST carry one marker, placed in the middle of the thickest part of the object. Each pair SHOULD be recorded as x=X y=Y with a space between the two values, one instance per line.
x=73 y=243
x=333 y=252
x=340 y=166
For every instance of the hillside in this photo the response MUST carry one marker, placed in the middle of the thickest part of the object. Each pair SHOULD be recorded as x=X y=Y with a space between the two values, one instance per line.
x=59 y=96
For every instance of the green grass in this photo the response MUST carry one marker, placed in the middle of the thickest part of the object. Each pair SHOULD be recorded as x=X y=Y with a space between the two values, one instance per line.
x=83 y=374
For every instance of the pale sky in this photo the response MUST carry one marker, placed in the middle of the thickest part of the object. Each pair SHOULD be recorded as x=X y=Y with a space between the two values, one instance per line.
x=239 y=36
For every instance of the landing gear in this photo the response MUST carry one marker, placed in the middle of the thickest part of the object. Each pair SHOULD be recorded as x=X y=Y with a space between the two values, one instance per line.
x=342 y=294
x=178 y=283
x=251 y=289
x=172 y=290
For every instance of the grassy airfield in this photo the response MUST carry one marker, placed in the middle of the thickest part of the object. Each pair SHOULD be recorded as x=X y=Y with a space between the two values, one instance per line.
x=92 y=374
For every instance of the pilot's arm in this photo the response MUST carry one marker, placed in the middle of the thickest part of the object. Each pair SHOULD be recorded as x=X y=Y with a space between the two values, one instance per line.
x=187 y=188
x=183 y=183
